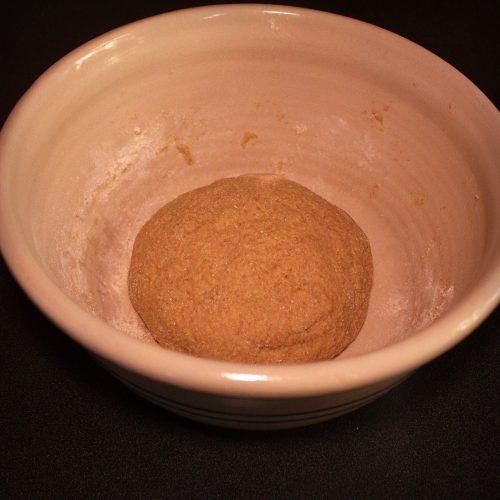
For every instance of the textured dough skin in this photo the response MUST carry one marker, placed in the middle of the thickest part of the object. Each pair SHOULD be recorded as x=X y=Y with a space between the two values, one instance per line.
x=256 y=269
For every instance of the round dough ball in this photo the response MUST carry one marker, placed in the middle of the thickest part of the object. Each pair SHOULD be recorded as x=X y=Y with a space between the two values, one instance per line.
x=256 y=269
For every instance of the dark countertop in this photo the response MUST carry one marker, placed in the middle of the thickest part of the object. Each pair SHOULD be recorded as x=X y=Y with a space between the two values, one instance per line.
x=68 y=430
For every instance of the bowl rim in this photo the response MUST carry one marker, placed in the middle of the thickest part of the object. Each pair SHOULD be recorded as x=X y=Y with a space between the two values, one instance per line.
x=222 y=377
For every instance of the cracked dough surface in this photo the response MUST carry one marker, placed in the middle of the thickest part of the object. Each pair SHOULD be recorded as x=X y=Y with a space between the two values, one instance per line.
x=256 y=269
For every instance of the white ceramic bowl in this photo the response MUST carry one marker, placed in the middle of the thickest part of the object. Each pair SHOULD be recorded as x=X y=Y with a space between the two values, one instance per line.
x=379 y=126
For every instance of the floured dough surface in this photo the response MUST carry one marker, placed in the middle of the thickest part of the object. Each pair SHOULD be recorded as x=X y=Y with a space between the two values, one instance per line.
x=256 y=268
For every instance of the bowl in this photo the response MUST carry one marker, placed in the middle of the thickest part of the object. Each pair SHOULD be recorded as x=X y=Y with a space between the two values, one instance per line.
x=372 y=122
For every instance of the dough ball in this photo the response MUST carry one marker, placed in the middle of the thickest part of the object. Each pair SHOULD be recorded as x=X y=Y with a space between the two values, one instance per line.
x=256 y=269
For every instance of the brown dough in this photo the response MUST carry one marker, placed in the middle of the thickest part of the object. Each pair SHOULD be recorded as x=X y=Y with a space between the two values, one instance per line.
x=255 y=269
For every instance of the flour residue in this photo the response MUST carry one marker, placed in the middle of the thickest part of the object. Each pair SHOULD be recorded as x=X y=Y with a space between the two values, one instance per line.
x=436 y=297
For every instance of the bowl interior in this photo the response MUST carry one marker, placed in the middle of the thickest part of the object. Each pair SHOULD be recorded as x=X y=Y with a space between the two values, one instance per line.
x=369 y=121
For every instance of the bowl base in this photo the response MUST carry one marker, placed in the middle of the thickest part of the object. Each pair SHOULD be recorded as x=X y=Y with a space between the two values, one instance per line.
x=247 y=413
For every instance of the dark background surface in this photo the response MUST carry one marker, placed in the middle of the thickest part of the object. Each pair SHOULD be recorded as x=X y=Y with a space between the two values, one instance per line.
x=68 y=430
